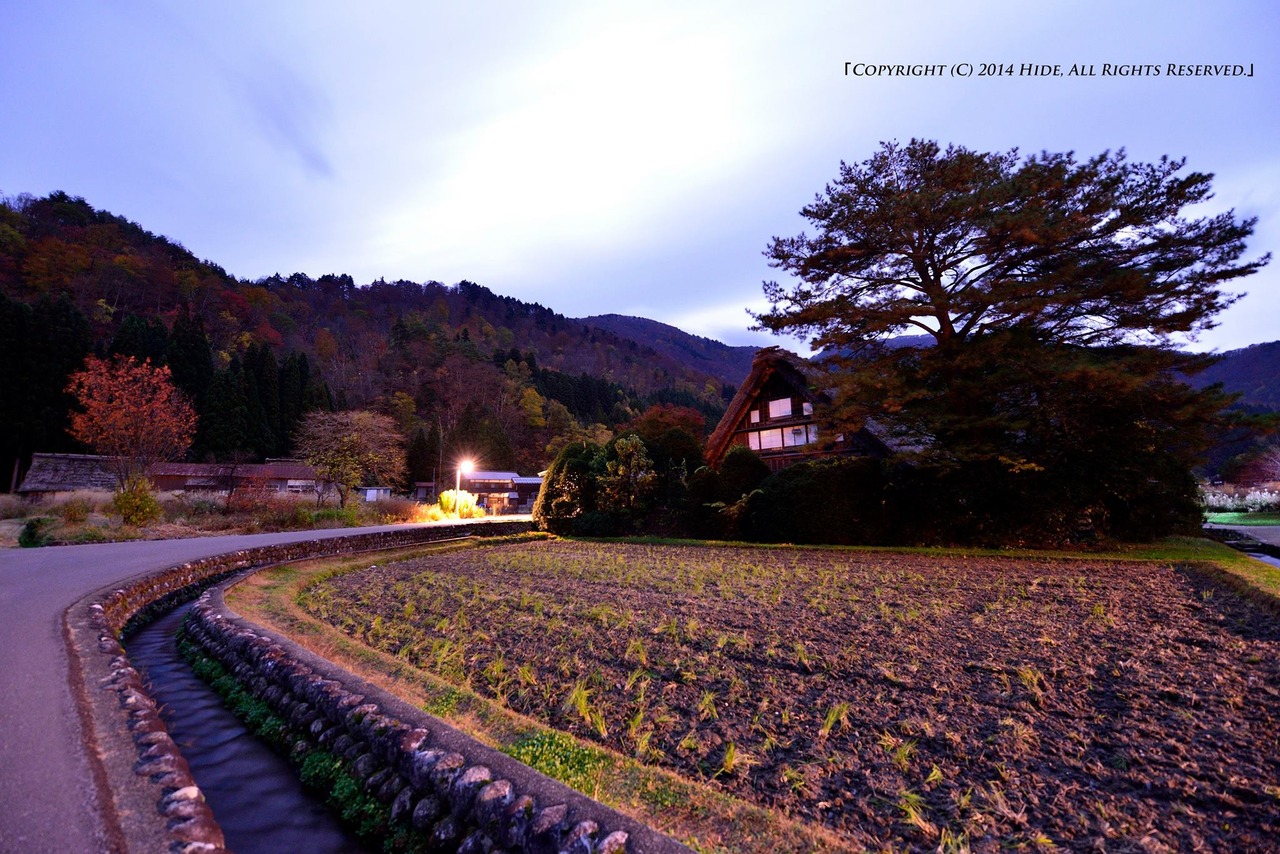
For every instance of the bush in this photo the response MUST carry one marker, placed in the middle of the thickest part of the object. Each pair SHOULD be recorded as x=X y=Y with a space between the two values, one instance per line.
x=460 y=505
x=834 y=501
x=35 y=533
x=432 y=513
x=740 y=473
x=1253 y=501
x=568 y=489
x=75 y=511
x=392 y=510
x=346 y=517
x=135 y=502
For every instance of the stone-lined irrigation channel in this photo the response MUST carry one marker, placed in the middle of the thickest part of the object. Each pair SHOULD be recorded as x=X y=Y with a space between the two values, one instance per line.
x=363 y=745
x=254 y=793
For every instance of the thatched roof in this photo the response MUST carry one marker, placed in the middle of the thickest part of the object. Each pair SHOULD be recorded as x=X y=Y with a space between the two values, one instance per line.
x=67 y=473
x=771 y=363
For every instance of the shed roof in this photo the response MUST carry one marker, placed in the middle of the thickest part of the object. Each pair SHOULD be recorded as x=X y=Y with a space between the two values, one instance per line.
x=491 y=475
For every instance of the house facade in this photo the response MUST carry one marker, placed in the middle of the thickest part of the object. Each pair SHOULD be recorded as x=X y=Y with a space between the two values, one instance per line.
x=502 y=492
x=775 y=414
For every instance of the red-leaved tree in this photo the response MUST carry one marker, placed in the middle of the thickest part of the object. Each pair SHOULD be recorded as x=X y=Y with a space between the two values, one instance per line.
x=132 y=413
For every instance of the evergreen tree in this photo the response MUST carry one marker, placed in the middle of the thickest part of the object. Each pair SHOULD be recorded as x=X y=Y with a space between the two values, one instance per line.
x=143 y=339
x=292 y=390
x=189 y=356
x=421 y=461
x=224 y=424
x=261 y=361
x=40 y=347
x=1035 y=279
x=261 y=438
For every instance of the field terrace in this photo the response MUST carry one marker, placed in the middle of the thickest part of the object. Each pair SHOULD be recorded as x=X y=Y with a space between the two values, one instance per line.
x=898 y=700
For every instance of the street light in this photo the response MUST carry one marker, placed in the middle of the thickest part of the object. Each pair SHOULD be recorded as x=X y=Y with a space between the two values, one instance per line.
x=464 y=467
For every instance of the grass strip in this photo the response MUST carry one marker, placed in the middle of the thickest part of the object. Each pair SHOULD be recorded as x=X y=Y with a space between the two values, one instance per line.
x=1245 y=519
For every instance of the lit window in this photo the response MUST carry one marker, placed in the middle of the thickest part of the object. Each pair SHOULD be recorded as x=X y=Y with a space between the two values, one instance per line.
x=755 y=416
x=806 y=408
x=780 y=408
x=770 y=439
x=805 y=435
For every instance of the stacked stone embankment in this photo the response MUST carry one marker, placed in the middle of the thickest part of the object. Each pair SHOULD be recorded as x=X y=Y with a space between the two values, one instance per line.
x=147 y=796
x=462 y=794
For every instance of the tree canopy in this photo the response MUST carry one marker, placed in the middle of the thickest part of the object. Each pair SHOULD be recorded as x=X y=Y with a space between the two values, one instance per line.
x=1050 y=292
x=131 y=412
x=351 y=448
x=958 y=243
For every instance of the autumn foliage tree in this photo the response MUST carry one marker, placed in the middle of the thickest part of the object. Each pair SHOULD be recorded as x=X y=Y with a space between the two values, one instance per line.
x=132 y=413
x=351 y=448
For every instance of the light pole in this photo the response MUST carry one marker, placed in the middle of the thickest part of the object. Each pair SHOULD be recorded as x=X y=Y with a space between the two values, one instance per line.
x=464 y=467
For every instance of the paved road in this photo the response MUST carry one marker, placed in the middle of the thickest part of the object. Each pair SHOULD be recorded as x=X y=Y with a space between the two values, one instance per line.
x=47 y=799
x=1263 y=533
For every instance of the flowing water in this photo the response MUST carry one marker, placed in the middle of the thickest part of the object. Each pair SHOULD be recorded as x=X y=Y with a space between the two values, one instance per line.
x=253 y=792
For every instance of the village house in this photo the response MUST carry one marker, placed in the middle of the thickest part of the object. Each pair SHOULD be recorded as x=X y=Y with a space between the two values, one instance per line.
x=774 y=414
x=502 y=492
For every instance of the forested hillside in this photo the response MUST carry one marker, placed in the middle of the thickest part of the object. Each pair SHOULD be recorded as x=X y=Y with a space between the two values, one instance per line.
x=461 y=369
x=729 y=363
x=1252 y=372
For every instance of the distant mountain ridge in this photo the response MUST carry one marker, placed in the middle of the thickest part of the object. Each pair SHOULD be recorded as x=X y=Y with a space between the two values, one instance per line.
x=1252 y=372
x=730 y=363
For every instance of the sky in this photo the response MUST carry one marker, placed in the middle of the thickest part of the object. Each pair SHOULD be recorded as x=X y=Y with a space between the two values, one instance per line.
x=599 y=157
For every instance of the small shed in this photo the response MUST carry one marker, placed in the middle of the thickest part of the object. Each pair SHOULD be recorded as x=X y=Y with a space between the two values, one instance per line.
x=373 y=493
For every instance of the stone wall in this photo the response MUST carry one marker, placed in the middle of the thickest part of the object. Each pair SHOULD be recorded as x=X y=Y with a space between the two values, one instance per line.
x=146 y=795
x=464 y=795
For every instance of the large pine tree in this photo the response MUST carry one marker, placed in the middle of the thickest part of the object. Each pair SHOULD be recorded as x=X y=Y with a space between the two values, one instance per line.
x=1051 y=292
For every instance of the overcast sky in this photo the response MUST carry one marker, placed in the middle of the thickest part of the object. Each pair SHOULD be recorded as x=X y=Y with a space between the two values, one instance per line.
x=595 y=157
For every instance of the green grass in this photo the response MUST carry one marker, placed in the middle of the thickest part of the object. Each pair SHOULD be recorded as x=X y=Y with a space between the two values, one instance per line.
x=1243 y=518
x=1164 y=550
x=561 y=757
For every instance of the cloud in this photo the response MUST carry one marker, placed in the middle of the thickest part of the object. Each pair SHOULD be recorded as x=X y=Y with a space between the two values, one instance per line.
x=290 y=112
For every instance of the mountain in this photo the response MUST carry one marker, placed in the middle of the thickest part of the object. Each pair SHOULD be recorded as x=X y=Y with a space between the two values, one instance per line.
x=731 y=364
x=1252 y=372
x=465 y=366
x=474 y=372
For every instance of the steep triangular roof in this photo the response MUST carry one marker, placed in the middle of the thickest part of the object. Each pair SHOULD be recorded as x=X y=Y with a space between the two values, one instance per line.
x=775 y=363
x=768 y=363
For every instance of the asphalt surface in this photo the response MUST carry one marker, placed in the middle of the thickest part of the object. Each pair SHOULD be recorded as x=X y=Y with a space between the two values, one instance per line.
x=1269 y=534
x=47 y=797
